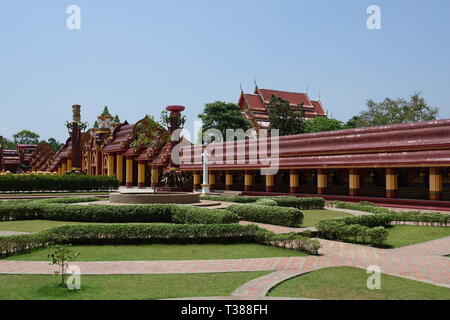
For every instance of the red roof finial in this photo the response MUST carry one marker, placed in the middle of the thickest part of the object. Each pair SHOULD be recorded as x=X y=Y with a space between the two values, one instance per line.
x=175 y=108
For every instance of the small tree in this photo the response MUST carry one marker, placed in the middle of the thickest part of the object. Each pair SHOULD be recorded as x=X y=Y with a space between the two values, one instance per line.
x=62 y=255
x=284 y=118
x=222 y=116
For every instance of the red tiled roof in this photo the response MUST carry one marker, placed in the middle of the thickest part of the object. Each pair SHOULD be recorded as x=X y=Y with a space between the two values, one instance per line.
x=255 y=105
x=294 y=98
x=255 y=102
x=318 y=108
x=122 y=137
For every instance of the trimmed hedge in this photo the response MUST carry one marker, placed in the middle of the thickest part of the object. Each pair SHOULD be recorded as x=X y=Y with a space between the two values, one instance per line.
x=69 y=200
x=266 y=202
x=168 y=213
x=281 y=216
x=308 y=203
x=154 y=233
x=406 y=216
x=34 y=182
x=337 y=229
x=366 y=229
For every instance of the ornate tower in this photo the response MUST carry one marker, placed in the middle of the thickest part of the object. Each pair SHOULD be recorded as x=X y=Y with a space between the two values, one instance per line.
x=75 y=133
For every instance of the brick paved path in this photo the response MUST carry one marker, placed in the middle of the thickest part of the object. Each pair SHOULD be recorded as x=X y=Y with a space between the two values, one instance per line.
x=423 y=262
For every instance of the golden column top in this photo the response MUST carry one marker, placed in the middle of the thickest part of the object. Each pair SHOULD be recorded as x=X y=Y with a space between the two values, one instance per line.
x=76 y=114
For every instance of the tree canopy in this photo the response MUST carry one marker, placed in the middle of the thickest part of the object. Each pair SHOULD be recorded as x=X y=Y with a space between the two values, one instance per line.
x=395 y=111
x=8 y=144
x=284 y=118
x=26 y=137
x=54 y=144
x=320 y=124
x=222 y=116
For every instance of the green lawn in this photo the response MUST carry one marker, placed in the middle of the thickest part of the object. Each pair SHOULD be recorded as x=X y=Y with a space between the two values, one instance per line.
x=34 y=225
x=166 y=252
x=347 y=283
x=131 y=287
x=400 y=236
x=312 y=217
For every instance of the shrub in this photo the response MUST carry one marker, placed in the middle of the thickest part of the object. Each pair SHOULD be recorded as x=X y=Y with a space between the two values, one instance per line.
x=194 y=215
x=103 y=213
x=341 y=230
x=307 y=203
x=288 y=217
x=266 y=202
x=154 y=233
x=19 y=183
x=410 y=216
x=378 y=235
x=68 y=200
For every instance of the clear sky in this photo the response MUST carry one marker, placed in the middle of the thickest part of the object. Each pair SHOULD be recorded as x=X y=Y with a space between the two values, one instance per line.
x=138 y=56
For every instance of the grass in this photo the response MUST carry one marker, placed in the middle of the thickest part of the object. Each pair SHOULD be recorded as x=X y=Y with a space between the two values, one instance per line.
x=34 y=225
x=115 y=287
x=165 y=252
x=312 y=217
x=347 y=283
x=400 y=236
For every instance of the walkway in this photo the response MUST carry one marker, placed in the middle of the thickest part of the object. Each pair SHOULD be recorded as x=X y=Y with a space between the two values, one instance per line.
x=423 y=262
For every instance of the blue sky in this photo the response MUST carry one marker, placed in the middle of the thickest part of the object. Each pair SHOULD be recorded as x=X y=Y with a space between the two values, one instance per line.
x=139 y=56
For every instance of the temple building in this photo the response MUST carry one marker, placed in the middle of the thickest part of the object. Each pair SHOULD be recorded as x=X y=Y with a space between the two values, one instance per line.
x=16 y=160
x=41 y=157
x=138 y=154
x=254 y=106
x=404 y=161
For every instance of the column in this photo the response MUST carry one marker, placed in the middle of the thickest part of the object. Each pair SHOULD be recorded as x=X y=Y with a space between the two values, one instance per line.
x=212 y=180
x=129 y=173
x=141 y=174
x=270 y=182
x=59 y=171
x=435 y=184
x=69 y=164
x=229 y=180
x=110 y=164
x=391 y=183
x=354 y=182
x=64 y=166
x=321 y=181
x=119 y=168
x=248 y=180
x=293 y=181
x=197 y=180
x=155 y=177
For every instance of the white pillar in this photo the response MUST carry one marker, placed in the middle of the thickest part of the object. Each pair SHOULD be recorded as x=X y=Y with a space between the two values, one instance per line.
x=205 y=185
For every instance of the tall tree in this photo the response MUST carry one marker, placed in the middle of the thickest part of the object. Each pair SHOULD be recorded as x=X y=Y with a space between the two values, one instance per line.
x=222 y=116
x=284 y=118
x=393 y=111
x=26 y=137
x=320 y=124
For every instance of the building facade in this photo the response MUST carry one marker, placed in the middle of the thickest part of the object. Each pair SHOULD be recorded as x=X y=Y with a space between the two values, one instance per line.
x=254 y=107
x=408 y=161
